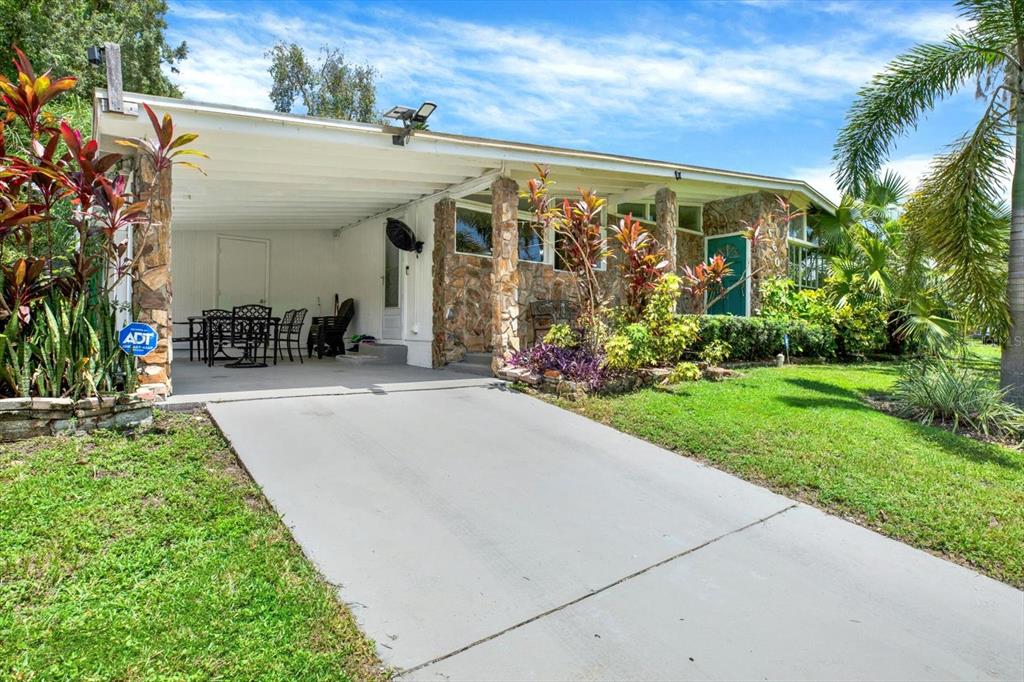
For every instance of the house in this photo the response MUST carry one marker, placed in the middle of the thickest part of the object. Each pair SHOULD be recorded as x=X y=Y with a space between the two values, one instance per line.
x=292 y=212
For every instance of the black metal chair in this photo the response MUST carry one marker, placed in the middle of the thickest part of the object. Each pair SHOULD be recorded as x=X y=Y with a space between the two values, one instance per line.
x=250 y=329
x=327 y=334
x=196 y=338
x=290 y=331
x=217 y=334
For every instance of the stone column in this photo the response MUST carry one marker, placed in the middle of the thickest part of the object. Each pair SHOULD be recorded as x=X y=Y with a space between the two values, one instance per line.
x=667 y=213
x=151 y=284
x=505 y=270
x=444 y=245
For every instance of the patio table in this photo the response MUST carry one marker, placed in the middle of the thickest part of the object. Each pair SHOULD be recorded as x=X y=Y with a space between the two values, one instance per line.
x=247 y=359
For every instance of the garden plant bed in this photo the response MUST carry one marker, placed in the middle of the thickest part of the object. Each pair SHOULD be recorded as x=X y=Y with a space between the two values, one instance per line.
x=883 y=404
x=30 y=417
x=152 y=554
x=807 y=432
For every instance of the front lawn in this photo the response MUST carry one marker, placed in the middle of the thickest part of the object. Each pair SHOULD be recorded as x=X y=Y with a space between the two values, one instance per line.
x=806 y=432
x=156 y=557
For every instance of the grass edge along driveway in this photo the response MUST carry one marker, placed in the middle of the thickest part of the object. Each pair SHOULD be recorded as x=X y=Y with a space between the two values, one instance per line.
x=806 y=432
x=155 y=556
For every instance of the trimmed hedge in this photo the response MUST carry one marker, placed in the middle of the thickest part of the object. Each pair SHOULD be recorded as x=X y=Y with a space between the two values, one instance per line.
x=760 y=338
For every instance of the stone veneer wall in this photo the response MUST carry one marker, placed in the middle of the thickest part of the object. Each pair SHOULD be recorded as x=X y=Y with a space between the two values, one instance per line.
x=689 y=252
x=771 y=256
x=29 y=417
x=466 y=280
x=151 y=288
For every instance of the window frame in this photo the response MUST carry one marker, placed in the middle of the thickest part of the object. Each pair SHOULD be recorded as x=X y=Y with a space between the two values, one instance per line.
x=476 y=207
x=803 y=249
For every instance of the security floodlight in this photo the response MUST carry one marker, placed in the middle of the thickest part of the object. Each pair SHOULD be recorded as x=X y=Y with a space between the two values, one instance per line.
x=424 y=112
x=409 y=118
x=95 y=55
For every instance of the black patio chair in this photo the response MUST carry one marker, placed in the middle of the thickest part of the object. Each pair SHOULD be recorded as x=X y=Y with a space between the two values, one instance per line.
x=250 y=329
x=327 y=334
x=289 y=331
x=217 y=333
x=196 y=338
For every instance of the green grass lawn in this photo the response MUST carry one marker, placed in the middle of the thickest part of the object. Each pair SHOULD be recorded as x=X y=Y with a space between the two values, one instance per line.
x=156 y=557
x=806 y=432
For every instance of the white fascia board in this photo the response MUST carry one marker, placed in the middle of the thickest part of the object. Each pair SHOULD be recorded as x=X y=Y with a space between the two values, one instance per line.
x=492 y=152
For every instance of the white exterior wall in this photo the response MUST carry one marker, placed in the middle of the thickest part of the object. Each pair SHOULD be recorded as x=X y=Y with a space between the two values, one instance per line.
x=307 y=265
x=360 y=252
x=302 y=268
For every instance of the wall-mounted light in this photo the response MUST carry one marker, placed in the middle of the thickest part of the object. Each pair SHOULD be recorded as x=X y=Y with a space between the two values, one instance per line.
x=95 y=55
x=409 y=118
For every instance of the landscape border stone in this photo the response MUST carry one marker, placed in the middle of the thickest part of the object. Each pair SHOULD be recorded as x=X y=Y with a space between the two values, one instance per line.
x=22 y=418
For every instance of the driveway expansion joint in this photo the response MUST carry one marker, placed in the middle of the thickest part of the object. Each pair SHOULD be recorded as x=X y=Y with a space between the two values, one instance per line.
x=597 y=591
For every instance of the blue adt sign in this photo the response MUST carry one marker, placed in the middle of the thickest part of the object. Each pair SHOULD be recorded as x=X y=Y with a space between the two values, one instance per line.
x=137 y=339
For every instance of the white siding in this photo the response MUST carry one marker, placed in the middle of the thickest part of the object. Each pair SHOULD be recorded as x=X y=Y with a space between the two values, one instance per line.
x=303 y=270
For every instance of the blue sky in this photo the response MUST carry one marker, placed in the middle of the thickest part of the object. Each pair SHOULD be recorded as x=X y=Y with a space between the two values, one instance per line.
x=756 y=85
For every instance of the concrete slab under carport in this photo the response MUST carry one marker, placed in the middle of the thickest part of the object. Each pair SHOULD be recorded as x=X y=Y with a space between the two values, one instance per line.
x=195 y=383
x=479 y=533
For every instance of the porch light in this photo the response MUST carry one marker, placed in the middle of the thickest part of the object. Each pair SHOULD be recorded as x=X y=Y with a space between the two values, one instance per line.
x=409 y=117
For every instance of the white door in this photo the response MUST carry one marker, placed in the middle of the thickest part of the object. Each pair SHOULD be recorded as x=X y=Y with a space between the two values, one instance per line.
x=392 y=291
x=242 y=271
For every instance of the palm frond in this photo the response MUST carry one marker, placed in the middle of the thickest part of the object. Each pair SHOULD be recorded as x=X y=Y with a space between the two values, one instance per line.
x=896 y=98
x=960 y=217
x=1000 y=19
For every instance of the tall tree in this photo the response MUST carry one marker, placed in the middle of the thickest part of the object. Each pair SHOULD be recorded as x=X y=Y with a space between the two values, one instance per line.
x=328 y=87
x=958 y=212
x=60 y=45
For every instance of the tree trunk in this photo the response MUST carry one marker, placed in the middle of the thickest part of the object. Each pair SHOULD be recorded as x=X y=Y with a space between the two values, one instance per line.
x=1012 y=363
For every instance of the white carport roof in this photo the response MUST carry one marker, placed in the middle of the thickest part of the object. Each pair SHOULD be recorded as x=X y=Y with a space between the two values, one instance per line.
x=269 y=170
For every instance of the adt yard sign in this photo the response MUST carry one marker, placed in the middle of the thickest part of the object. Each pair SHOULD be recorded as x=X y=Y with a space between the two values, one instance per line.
x=137 y=339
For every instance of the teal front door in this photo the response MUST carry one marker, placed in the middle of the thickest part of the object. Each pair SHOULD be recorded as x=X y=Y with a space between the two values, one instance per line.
x=734 y=249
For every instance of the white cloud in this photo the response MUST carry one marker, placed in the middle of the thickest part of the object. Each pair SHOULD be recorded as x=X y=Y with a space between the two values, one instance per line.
x=913 y=168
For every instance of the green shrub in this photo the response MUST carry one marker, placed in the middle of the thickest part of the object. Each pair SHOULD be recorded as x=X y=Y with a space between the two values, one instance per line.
x=671 y=333
x=716 y=352
x=683 y=372
x=858 y=330
x=562 y=336
x=761 y=338
x=629 y=349
x=948 y=391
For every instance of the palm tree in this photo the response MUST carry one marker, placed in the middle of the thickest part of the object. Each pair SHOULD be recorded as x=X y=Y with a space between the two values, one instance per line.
x=957 y=214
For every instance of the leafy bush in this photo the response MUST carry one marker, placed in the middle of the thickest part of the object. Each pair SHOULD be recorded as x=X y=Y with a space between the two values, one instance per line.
x=671 y=333
x=575 y=364
x=716 y=352
x=859 y=329
x=563 y=336
x=761 y=338
x=630 y=349
x=948 y=391
x=682 y=372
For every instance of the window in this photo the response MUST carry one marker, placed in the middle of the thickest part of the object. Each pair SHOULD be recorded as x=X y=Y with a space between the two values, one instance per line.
x=638 y=211
x=691 y=218
x=472 y=231
x=806 y=267
x=531 y=241
x=798 y=227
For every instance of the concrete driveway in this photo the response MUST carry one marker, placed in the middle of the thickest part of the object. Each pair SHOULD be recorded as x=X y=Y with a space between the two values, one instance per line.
x=482 y=534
